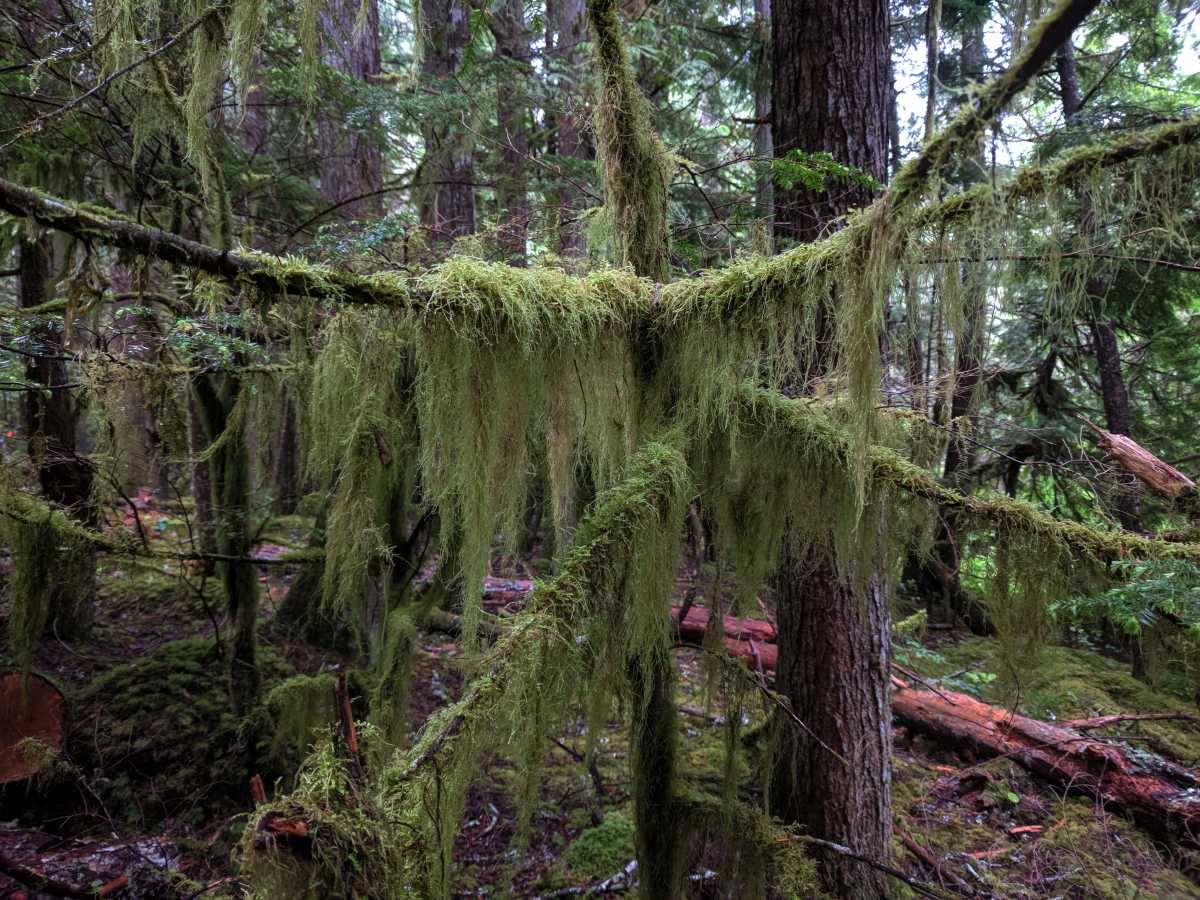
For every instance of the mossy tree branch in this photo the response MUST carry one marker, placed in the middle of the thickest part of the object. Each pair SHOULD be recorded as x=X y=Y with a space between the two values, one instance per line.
x=808 y=425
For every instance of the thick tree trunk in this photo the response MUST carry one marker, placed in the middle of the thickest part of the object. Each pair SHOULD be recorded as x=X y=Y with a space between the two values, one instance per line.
x=51 y=426
x=834 y=655
x=351 y=158
x=512 y=46
x=830 y=92
x=448 y=203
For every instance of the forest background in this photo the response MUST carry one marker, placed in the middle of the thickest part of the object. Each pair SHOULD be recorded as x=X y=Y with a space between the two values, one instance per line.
x=417 y=410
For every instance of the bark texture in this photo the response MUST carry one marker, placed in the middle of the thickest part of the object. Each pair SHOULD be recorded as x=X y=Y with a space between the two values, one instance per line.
x=351 y=158
x=831 y=90
x=830 y=93
x=448 y=207
x=834 y=657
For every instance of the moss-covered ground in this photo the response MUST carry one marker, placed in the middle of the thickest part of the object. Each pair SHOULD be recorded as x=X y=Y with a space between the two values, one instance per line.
x=154 y=749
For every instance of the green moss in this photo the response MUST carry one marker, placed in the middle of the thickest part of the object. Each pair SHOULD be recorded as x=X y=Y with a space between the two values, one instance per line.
x=604 y=850
x=158 y=738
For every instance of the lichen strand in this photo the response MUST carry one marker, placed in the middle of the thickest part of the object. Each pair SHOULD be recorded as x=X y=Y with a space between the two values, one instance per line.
x=635 y=165
x=404 y=819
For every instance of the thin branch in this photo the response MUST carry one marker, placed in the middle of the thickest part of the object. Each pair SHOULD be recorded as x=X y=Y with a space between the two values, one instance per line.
x=41 y=121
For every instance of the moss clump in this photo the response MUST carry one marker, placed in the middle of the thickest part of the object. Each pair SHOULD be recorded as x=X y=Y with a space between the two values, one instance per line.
x=604 y=850
x=158 y=738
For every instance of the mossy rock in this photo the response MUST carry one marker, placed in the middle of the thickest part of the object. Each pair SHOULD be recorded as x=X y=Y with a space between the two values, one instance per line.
x=158 y=739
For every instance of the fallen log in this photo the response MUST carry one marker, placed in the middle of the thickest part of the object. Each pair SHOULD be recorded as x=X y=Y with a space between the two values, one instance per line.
x=1161 y=796
x=1106 y=721
x=695 y=623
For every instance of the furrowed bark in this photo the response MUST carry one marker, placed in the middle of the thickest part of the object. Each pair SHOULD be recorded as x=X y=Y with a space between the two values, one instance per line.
x=831 y=90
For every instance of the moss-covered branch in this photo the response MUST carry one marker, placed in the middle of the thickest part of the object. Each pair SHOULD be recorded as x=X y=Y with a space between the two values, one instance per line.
x=637 y=167
x=23 y=508
x=810 y=426
x=1048 y=36
x=410 y=809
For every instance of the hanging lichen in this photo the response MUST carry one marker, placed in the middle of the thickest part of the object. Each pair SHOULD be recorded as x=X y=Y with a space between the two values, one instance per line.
x=636 y=166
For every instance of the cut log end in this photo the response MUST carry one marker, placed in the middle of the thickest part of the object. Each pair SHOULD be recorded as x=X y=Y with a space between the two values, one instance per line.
x=32 y=725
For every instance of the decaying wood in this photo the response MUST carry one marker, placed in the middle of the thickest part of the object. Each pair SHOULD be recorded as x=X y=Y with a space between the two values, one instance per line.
x=31 y=708
x=1162 y=796
x=257 y=791
x=1157 y=475
x=696 y=622
x=1105 y=721
x=43 y=883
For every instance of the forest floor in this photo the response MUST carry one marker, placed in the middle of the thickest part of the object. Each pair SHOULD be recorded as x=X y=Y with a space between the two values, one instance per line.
x=152 y=789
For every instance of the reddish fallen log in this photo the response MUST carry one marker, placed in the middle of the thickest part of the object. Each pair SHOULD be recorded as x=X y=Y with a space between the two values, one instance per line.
x=1161 y=796
x=750 y=639
x=696 y=622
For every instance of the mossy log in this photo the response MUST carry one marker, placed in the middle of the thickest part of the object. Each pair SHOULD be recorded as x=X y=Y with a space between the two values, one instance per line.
x=1161 y=796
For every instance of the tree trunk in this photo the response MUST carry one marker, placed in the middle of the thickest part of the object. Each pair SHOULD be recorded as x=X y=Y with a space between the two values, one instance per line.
x=351 y=159
x=51 y=425
x=831 y=92
x=287 y=472
x=229 y=467
x=568 y=25
x=205 y=526
x=764 y=145
x=448 y=202
x=512 y=111
x=834 y=654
